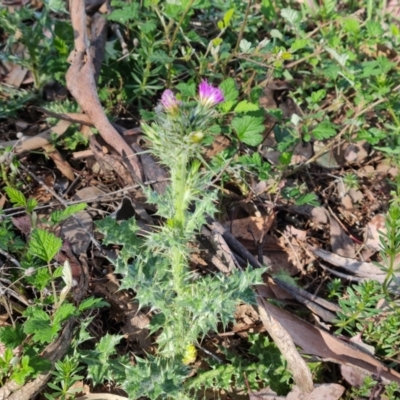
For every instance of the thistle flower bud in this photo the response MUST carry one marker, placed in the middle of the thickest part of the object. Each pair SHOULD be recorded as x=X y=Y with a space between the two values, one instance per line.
x=169 y=101
x=196 y=137
x=209 y=95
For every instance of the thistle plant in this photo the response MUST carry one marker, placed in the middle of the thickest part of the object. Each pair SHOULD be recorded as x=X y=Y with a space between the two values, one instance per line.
x=186 y=306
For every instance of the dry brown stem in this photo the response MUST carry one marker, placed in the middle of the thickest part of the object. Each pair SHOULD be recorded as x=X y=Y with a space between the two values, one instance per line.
x=81 y=82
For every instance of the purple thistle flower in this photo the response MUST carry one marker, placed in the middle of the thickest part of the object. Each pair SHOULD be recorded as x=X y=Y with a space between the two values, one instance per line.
x=169 y=101
x=209 y=95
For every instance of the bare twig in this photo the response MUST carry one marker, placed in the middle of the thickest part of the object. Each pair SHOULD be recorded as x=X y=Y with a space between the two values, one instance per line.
x=64 y=203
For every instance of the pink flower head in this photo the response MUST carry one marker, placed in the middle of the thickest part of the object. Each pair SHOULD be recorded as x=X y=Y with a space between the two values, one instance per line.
x=209 y=95
x=169 y=101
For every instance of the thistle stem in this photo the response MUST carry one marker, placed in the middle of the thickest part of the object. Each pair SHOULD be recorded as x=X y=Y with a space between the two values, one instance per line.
x=179 y=189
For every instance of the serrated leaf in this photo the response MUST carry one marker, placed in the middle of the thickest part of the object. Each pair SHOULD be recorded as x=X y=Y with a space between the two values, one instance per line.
x=249 y=129
x=40 y=279
x=92 y=302
x=31 y=205
x=38 y=325
x=318 y=95
x=125 y=14
x=107 y=344
x=148 y=26
x=351 y=25
x=20 y=374
x=187 y=89
x=228 y=86
x=98 y=360
x=291 y=16
x=161 y=57
x=298 y=44
x=245 y=46
x=245 y=106
x=12 y=337
x=58 y=216
x=308 y=198
x=340 y=58
x=16 y=197
x=226 y=106
x=44 y=244
x=65 y=311
x=324 y=130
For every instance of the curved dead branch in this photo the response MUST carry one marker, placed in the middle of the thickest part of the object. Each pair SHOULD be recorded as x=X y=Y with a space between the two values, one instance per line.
x=81 y=82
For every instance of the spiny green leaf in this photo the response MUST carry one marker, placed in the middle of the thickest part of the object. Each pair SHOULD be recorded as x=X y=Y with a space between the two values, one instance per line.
x=44 y=244
x=98 y=361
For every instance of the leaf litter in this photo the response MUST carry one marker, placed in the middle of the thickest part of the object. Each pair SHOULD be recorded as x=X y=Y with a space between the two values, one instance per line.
x=288 y=247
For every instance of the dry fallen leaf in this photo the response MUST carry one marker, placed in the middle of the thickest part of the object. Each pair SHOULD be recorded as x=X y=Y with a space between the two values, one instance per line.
x=353 y=375
x=320 y=343
x=326 y=391
x=16 y=76
x=360 y=269
x=77 y=236
x=340 y=241
x=245 y=228
x=24 y=224
x=283 y=340
x=101 y=396
x=373 y=231
x=136 y=327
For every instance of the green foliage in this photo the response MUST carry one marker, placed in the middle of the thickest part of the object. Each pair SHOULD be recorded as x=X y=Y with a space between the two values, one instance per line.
x=44 y=244
x=65 y=376
x=92 y=302
x=299 y=196
x=329 y=60
x=359 y=305
x=44 y=328
x=249 y=129
x=156 y=267
x=324 y=130
x=255 y=164
x=13 y=366
x=102 y=365
x=9 y=241
x=156 y=379
x=16 y=197
x=12 y=337
x=25 y=26
x=269 y=369
x=59 y=216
